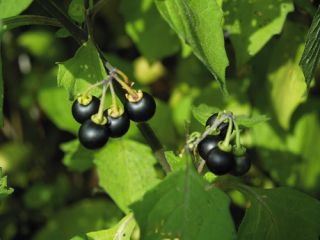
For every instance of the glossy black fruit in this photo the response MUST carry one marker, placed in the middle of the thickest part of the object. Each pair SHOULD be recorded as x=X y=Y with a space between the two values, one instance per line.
x=81 y=112
x=220 y=162
x=93 y=135
x=223 y=127
x=142 y=110
x=118 y=126
x=207 y=144
x=242 y=165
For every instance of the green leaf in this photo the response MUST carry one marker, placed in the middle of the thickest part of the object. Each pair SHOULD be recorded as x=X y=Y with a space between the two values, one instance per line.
x=10 y=8
x=147 y=29
x=199 y=23
x=203 y=112
x=285 y=78
x=181 y=207
x=126 y=171
x=251 y=24
x=5 y=191
x=80 y=218
x=176 y=162
x=278 y=214
x=122 y=231
x=311 y=56
x=85 y=68
x=249 y=122
x=76 y=10
x=76 y=157
x=54 y=102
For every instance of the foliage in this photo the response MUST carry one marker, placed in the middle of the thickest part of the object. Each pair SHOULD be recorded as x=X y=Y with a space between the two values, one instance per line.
x=258 y=59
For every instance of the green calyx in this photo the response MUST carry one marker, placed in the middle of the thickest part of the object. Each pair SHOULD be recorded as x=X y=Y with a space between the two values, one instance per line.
x=99 y=120
x=224 y=147
x=84 y=99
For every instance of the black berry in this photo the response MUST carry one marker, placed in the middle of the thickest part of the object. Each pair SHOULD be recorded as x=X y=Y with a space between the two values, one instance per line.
x=223 y=127
x=220 y=162
x=82 y=112
x=118 y=126
x=93 y=135
x=207 y=144
x=242 y=165
x=142 y=110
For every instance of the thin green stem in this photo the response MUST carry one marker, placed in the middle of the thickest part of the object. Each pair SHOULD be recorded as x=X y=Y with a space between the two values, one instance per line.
x=92 y=87
x=100 y=116
x=226 y=142
x=236 y=127
x=114 y=106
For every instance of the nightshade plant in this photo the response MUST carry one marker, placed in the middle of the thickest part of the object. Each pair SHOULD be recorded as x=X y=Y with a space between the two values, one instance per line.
x=174 y=119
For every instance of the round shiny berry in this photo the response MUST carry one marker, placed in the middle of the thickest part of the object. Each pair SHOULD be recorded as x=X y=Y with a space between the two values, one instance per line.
x=142 y=110
x=118 y=126
x=242 y=165
x=92 y=135
x=82 y=112
x=207 y=144
x=220 y=162
x=223 y=127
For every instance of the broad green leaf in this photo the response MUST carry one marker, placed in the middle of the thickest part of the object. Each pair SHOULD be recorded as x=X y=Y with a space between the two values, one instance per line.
x=181 y=207
x=76 y=157
x=203 y=112
x=249 y=122
x=199 y=24
x=251 y=24
x=55 y=103
x=126 y=171
x=5 y=191
x=80 y=218
x=85 y=68
x=152 y=36
x=10 y=8
x=278 y=214
x=176 y=162
x=76 y=10
x=311 y=56
x=121 y=231
x=286 y=80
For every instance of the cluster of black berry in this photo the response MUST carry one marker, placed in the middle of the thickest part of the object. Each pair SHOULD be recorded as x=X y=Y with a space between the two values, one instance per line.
x=220 y=157
x=98 y=124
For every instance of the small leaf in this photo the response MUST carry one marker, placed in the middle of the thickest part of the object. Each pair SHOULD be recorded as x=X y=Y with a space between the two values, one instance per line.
x=249 y=122
x=203 y=112
x=126 y=171
x=76 y=158
x=311 y=56
x=181 y=207
x=281 y=213
x=176 y=163
x=251 y=24
x=76 y=10
x=83 y=69
x=5 y=191
x=122 y=231
x=10 y=8
x=199 y=24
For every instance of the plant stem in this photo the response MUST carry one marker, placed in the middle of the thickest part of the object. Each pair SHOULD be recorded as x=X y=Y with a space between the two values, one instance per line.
x=80 y=36
x=226 y=141
x=155 y=145
x=114 y=107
